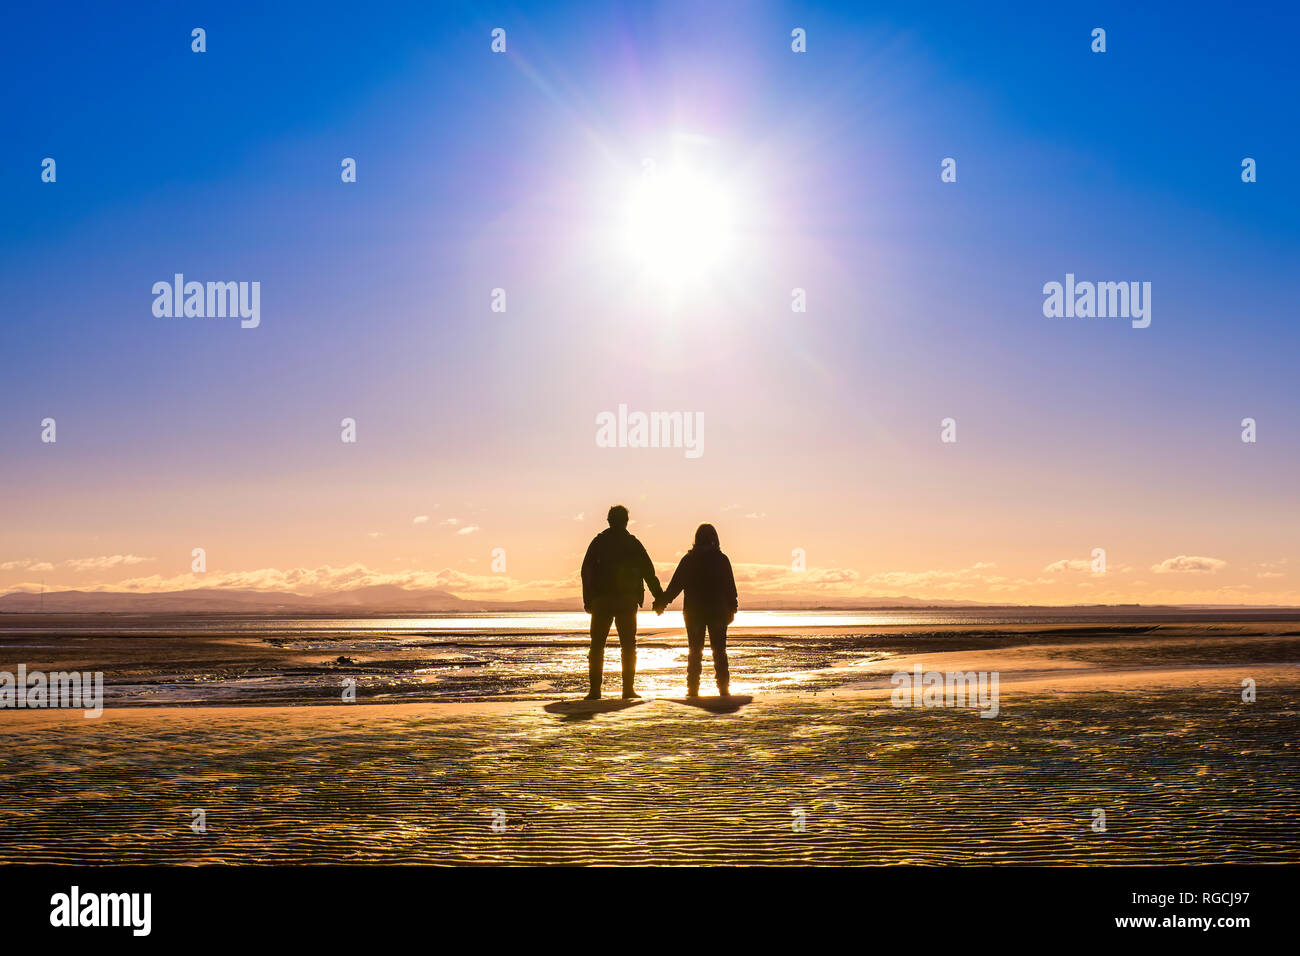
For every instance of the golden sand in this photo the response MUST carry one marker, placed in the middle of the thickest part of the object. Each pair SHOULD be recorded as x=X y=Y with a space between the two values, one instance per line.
x=1183 y=769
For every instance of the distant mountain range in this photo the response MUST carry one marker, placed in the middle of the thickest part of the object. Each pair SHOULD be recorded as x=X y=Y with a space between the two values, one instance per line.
x=375 y=599
x=391 y=599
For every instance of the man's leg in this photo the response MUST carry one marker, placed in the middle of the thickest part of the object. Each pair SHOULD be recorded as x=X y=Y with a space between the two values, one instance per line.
x=625 y=621
x=721 y=666
x=694 y=656
x=600 y=622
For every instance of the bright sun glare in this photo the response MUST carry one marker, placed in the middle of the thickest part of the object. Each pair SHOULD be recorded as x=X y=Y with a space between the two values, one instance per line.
x=680 y=223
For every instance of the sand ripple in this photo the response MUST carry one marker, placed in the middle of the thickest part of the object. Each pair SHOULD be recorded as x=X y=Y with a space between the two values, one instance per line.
x=1182 y=777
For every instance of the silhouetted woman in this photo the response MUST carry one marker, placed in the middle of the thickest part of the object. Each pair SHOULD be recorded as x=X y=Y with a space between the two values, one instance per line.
x=705 y=575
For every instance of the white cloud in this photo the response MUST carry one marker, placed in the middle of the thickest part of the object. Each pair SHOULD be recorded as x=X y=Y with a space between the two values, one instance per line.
x=468 y=529
x=1188 y=563
x=26 y=564
x=327 y=579
x=1068 y=564
x=104 y=561
x=420 y=519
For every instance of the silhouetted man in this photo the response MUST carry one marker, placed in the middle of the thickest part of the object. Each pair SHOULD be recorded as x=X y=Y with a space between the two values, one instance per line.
x=613 y=574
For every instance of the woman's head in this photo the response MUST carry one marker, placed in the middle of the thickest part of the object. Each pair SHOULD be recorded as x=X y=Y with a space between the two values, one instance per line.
x=706 y=538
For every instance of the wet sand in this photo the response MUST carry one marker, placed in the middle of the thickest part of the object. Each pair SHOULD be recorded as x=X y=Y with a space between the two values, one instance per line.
x=1148 y=727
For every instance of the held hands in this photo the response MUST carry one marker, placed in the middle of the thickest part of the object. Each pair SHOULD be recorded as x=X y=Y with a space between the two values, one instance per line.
x=659 y=606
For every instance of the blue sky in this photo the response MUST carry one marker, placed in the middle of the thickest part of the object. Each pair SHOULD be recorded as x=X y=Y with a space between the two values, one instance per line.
x=478 y=171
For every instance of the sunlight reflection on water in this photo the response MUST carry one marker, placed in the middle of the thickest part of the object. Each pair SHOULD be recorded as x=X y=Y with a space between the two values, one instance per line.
x=577 y=622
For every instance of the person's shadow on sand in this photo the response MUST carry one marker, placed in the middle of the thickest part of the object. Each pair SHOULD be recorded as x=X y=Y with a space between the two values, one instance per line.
x=715 y=705
x=587 y=709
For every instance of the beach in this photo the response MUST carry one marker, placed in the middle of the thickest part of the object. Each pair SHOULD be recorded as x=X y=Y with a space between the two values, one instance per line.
x=811 y=762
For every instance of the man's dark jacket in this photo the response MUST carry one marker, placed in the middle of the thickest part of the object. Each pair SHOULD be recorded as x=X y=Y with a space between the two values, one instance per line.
x=614 y=571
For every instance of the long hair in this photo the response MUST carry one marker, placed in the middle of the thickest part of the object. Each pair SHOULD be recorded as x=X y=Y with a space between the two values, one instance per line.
x=706 y=538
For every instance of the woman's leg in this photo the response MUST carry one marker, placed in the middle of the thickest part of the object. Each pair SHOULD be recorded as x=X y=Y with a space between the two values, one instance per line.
x=721 y=666
x=694 y=655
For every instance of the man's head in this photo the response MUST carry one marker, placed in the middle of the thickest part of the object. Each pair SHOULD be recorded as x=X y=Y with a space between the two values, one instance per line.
x=618 y=518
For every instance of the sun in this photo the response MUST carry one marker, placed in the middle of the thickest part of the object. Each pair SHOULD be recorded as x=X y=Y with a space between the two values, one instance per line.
x=680 y=223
